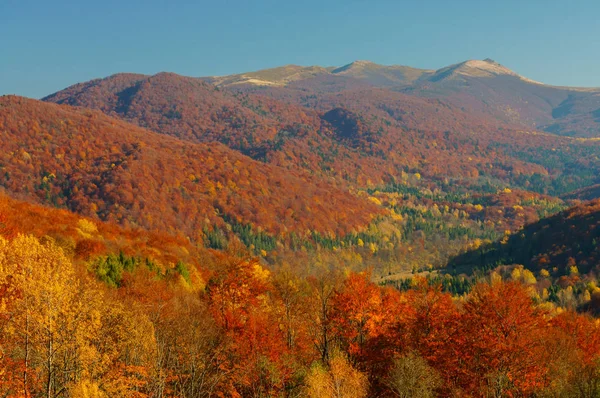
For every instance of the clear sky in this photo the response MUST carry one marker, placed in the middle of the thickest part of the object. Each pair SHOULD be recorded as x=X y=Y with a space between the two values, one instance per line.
x=47 y=45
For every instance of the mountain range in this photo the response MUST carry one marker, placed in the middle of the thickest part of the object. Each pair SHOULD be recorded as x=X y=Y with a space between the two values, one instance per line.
x=485 y=87
x=340 y=123
x=417 y=163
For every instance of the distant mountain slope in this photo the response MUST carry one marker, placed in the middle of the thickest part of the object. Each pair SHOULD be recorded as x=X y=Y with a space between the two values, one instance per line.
x=280 y=76
x=190 y=108
x=486 y=86
x=273 y=129
x=555 y=244
x=361 y=71
x=96 y=89
x=475 y=68
x=286 y=126
x=479 y=86
x=436 y=137
x=181 y=106
x=103 y=167
x=381 y=75
x=578 y=115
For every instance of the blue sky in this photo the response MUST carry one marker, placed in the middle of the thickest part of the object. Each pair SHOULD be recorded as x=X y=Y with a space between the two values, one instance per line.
x=48 y=45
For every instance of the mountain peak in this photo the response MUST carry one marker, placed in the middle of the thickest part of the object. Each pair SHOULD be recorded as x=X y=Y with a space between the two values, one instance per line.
x=478 y=68
x=278 y=76
x=487 y=66
x=362 y=62
x=356 y=65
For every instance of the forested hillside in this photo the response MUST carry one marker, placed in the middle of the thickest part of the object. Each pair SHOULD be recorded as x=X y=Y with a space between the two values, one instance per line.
x=102 y=167
x=558 y=243
x=448 y=178
x=587 y=193
x=289 y=126
x=229 y=327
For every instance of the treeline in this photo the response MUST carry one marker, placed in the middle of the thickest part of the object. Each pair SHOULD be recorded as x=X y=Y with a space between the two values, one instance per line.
x=249 y=332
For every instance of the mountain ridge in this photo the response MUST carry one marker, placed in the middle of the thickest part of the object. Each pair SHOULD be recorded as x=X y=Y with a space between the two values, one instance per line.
x=481 y=86
x=485 y=68
x=477 y=68
x=285 y=126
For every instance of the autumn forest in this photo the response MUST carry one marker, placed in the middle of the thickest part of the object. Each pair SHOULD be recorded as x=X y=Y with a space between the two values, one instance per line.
x=345 y=232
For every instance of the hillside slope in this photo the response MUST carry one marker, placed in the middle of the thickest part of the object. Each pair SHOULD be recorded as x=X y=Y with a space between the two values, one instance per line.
x=587 y=193
x=570 y=238
x=85 y=239
x=483 y=87
x=288 y=127
x=102 y=167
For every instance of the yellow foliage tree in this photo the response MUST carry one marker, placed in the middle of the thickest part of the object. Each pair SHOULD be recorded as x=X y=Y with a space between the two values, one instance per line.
x=60 y=327
x=339 y=380
x=528 y=277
